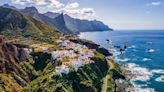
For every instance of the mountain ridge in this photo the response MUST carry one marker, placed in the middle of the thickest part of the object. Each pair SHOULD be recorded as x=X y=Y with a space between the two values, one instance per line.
x=67 y=24
x=14 y=22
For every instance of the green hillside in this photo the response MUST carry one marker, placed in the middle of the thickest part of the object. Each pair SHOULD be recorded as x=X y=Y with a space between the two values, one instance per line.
x=15 y=23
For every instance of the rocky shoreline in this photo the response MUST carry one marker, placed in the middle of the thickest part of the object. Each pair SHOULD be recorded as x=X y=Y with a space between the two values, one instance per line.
x=122 y=83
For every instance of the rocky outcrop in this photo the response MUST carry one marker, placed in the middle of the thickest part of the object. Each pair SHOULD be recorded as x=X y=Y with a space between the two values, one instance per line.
x=92 y=45
x=10 y=57
x=16 y=63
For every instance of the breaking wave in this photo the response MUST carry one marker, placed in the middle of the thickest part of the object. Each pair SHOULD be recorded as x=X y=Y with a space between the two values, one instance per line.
x=141 y=73
x=160 y=79
x=147 y=59
x=150 y=50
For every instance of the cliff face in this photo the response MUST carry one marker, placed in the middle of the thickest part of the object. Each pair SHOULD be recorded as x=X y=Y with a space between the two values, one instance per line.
x=10 y=57
x=78 y=25
x=60 y=23
x=15 y=67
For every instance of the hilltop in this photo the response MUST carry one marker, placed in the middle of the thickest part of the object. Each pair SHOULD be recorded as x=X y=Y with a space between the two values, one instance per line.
x=16 y=23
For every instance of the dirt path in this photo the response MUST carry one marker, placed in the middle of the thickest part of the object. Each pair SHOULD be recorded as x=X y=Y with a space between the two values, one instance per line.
x=105 y=79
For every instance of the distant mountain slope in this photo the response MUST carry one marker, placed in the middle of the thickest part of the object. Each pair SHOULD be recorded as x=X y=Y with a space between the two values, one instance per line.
x=60 y=23
x=9 y=6
x=33 y=12
x=51 y=14
x=66 y=23
x=77 y=25
x=13 y=22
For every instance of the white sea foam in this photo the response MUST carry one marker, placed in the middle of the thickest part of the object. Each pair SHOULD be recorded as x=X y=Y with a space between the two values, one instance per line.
x=160 y=79
x=114 y=51
x=124 y=60
x=132 y=46
x=121 y=60
x=146 y=59
x=139 y=73
x=140 y=90
x=158 y=71
x=150 y=50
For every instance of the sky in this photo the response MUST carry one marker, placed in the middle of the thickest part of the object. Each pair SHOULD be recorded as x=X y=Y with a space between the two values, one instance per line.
x=117 y=14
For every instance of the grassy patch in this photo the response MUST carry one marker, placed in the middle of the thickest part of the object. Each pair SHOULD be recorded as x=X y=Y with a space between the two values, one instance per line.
x=99 y=55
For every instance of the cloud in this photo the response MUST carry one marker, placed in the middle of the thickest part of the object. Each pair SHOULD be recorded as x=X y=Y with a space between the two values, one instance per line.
x=21 y=2
x=55 y=4
x=81 y=13
x=157 y=3
x=72 y=5
x=88 y=11
x=73 y=9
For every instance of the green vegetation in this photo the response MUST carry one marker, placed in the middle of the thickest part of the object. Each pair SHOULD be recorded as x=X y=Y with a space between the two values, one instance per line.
x=85 y=79
x=99 y=55
x=14 y=23
x=9 y=84
x=110 y=84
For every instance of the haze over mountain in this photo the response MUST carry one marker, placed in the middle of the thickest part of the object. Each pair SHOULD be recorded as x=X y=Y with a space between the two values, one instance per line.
x=51 y=14
x=64 y=22
x=9 y=6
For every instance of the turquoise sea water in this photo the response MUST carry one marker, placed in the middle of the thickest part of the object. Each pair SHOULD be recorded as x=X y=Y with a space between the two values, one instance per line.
x=145 y=57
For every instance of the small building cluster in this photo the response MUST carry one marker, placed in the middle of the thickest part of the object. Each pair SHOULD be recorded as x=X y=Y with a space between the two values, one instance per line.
x=73 y=55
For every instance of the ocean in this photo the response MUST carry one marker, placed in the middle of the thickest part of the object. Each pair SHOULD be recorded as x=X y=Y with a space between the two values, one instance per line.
x=144 y=56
